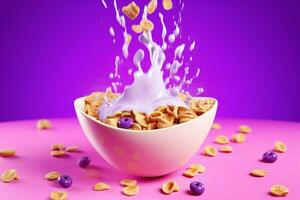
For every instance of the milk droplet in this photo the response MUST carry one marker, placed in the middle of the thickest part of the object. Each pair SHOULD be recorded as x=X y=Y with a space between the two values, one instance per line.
x=114 y=87
x=104 y=4
x=197 y=73
x=175 y=33
x=191 y=58
x=111 y=75
x=111 y=31
x=138 y=57
x=171 y=38
x=168 y=66
x=200 y=90
x=192 y=46
x=164 y=31
x=177 y=78
x=117 y=59
x=130 y=71
x=179 y=50
x=174 y=67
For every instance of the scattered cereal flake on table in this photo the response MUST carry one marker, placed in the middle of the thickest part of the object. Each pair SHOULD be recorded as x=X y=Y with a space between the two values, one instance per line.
x=131 y=190
x=101 y=186
x=221 y=139
x=58 y=153
x=72 y=149
x=128 y=182
x=200 y=168
x=226 y=149
x=167 y=4
x=280 y=147
x=7 y=152
x=152 y=5
x=210 y=151
x=245 y=129
x=279 y=190
x=258 y=172
x=43 y=124
x=54 y=175
x=131 y=10
x=9 y=175
x=216 y=126
x=147 y=25
x=57 y=147
x=239 y=138
x=137 y=28
x=190 y=172
x=170 y=186
x=58 y=195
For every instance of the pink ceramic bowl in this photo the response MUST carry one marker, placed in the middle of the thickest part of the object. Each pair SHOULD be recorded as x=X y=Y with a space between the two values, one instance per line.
x=146 y=153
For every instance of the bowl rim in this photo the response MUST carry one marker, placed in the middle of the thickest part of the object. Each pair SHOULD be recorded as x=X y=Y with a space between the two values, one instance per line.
x=130 y=131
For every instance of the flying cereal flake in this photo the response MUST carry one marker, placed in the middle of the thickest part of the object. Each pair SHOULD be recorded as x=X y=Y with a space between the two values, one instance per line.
x=58 y=195
x=152 y=5
x=279 y=190
x=221 y=139
x=210 y=151
x=170 y=186
x=137 y=28
x=225 y=149
x=131 y=190
x=128 y=182
x=239 y=138
x=245 y=129
x=258 y=172
x=101 y=186
x=43 y=124
x=131 y=10
x=167 y=4
x=9 y=175
x=147 y=25
x=54 y=175
x=280 y=147
x=7 y=152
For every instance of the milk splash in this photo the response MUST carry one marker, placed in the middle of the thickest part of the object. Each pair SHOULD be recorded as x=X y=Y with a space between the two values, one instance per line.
x=148 y=91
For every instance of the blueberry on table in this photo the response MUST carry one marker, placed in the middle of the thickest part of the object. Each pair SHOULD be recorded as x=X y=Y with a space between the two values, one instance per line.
x=269 y=157
x=65 y=181
x=125 y=122
x=197 y=188
x=84 y=161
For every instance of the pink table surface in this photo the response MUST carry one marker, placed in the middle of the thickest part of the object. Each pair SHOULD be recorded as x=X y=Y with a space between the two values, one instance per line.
x=227 y=175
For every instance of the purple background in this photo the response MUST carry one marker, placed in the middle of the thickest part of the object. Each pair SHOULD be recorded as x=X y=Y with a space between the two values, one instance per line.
x=54 y=51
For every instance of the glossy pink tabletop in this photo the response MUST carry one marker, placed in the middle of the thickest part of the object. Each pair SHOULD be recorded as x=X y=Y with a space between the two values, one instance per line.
x=227 y=175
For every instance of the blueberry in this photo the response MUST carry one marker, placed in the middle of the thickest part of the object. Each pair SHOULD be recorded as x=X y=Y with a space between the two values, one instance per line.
x=269 y=157
x=65 y=181
x=125 y=122
x=84 y=161
x=197 y=188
